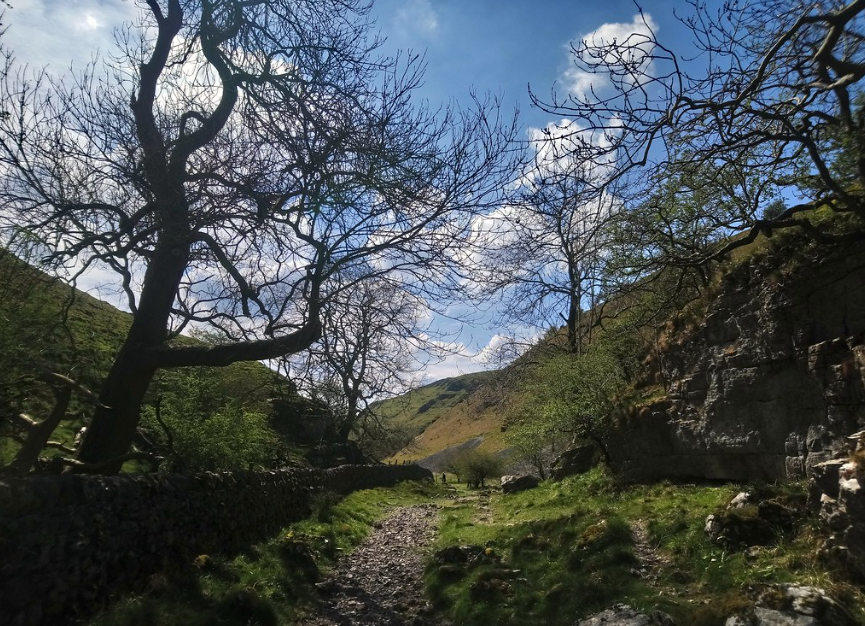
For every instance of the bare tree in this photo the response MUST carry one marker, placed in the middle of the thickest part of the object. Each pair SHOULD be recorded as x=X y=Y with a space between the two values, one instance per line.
x=546 y=255
x=367 y=352
x=767 y=107
x=227 y=163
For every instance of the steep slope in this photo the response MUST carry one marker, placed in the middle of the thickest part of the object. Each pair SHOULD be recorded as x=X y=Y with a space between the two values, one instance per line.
x=46 y=325
x=769 y=383
x=420 y=409
x=764 y=384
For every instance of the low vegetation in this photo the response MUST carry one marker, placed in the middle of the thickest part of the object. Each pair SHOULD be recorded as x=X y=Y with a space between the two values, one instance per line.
x=271 y=582
x=565 y=550
x=545 y=556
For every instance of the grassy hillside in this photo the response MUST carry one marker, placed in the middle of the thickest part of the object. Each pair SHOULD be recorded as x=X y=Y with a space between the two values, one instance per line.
x=414 y=412
x=453 y=411
x=45 y=325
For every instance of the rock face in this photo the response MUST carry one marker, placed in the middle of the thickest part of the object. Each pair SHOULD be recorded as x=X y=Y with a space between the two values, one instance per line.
x=838 y=489
x=767 y=386
x=515 y=484
x=794 y=605
x=575 y=461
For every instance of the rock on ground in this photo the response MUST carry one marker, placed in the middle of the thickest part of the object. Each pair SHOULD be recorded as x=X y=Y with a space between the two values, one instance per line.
x=794 y=605
x=515 y=484
x=381 y=582
x=624 y=615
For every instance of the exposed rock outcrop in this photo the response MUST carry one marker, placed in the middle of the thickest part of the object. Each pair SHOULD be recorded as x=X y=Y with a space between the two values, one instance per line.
x=749 y=521
x=515 y=484
x=770 y=382
x=794 y=605
x=575 y=461
x=841 y=501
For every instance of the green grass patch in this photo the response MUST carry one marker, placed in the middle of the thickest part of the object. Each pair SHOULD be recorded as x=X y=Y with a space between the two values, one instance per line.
x=271 y=582
x=566 y=550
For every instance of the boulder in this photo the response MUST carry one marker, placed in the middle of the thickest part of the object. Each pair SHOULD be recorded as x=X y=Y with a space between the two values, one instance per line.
x=794 y=605
x=457 y=554
x=515 y=484
x=748 y=522
x=844 y=515
x=624 y=615
x=573 y=462
x=743 y=498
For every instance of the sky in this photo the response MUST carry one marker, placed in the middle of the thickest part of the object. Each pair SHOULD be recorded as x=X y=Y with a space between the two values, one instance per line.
x=490 y=46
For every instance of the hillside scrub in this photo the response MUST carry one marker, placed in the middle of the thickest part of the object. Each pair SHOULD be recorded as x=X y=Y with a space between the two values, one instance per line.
x=48 y=327
x=474 y=466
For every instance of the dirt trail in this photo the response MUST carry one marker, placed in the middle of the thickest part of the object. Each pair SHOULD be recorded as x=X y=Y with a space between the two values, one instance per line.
x=381 y=581
x=650 y=559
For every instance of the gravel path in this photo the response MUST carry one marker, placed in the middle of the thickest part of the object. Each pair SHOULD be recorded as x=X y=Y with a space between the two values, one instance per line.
x=380 y=582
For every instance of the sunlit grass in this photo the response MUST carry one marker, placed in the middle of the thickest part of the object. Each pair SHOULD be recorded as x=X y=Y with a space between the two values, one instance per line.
x=565 y=550
x=271 y=582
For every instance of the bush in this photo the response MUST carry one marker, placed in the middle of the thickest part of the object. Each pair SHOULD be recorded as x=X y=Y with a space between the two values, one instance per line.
x=476 y=466
x=197 y=428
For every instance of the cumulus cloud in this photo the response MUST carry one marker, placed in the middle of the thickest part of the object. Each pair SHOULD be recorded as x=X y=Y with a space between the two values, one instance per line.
x=637 y=33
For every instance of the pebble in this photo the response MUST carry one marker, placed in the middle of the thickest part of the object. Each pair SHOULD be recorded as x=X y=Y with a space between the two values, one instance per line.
x=381 y=582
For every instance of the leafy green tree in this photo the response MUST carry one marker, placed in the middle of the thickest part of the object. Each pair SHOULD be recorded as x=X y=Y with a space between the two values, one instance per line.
x=575 y=396
x=476 y=466
x=533 y=439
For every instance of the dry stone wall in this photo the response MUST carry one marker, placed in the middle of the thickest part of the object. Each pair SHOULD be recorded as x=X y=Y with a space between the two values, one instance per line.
x=768 y=385
x=70 y=543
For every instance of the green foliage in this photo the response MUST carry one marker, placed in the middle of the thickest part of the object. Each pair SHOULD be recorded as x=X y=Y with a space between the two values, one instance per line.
x=475 y=466
x=535 y=441
x=574 y=546
x=569 y=395
x=201 y=425
x=41 y=328
x=220 y=418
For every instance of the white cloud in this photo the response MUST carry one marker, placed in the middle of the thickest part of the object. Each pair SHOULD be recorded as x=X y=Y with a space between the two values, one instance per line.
x=499 y=351
x=417 y=16
x=637 y=34
x=58 y=33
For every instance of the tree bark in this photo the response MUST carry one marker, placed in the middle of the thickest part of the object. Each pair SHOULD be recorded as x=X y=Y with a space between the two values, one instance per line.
x=39 y=433
x=114 y=423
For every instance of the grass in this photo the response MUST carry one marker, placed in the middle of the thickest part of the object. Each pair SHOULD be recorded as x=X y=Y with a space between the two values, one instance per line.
x=416 y=410
x=550 y=555
x=566 y=550
x=271 y=582
x=45 y=324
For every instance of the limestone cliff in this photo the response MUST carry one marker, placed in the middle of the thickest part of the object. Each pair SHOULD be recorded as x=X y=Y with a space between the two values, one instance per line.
x=768 y=384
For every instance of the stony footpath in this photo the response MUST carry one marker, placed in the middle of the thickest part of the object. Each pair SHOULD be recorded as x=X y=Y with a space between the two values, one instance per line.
x=381 y=582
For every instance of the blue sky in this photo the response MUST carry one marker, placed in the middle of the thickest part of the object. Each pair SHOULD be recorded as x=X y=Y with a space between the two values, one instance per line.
x=498 y=46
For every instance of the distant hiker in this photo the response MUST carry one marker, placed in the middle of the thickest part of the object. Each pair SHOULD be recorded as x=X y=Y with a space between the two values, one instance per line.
x=444 y=479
